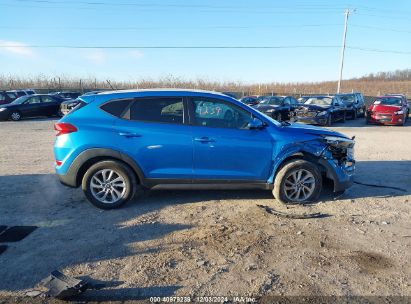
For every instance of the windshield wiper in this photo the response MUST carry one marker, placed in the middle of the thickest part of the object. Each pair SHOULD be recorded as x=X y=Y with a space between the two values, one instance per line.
x=285 y=123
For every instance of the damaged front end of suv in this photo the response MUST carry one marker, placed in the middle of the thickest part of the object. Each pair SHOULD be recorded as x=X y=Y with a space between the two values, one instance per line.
x=338 y=160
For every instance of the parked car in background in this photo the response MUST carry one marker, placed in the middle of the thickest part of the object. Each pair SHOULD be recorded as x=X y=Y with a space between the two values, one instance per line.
x=66 y=94
x=6 y=97
x=249 y=100
x=31 y=106
x=388 y=110
x=354 y=103
x=303 y=99
x=262 y=97
x=25 y=92
x=68 y=105
x=115 y=143
x=281 y=108
x=321 y=110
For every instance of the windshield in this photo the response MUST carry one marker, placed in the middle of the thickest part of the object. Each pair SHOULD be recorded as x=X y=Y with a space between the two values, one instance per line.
x=272 y=101
x=321 y=101
x=347 y=98
x=389 y=101
x=20 y=100
x=261 y=98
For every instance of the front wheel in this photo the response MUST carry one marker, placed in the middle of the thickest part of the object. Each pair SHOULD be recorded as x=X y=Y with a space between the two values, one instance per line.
x=329 y=120
x=355 y=115
x=277 y=117
x=15 y=116
x=109 y=184
x=298 y=181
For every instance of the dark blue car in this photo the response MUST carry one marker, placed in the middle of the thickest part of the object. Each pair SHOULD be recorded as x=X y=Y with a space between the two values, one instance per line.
x=114 y=143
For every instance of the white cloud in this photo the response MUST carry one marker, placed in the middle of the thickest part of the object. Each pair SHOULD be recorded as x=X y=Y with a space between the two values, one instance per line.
x=136 y=54
x=15 y=47
x=96 y=56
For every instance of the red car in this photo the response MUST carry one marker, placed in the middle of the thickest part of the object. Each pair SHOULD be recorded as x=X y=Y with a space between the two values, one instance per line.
x=388 y=110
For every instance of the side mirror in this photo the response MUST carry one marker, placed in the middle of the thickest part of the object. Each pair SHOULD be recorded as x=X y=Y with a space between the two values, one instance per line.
x=255 y=124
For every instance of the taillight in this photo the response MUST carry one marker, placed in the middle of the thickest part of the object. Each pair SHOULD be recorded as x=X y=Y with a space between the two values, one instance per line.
x=64 y=128
x=58 y=162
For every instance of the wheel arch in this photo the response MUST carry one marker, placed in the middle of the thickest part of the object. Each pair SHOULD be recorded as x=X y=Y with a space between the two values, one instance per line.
x=92 y=156
x=311 y=156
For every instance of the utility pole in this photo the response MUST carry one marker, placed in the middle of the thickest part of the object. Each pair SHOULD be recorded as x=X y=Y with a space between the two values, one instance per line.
x=346 y=13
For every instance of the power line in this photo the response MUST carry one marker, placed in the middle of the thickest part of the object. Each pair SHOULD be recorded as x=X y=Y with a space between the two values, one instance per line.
x=379 y=50
x=365 y=49
x=380 y=28
x=168 y=46
x=166 y=27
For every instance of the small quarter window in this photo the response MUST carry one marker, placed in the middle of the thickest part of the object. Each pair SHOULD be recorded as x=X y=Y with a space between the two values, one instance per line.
x=116 y=107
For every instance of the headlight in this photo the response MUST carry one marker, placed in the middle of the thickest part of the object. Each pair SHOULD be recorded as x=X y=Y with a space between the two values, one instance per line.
x=322 y=113
x=270 y=111
x=399 y=112
x=337 y=140
x=2 y=109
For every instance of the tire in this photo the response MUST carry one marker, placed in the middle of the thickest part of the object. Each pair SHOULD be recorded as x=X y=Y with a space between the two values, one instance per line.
x=115 y=196
x=284 y=178
x=277 y=117
x=329 y=121
x=15 y=116
x=355 y=115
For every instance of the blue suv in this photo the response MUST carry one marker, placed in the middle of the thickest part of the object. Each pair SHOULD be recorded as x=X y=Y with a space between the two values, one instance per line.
x=116 y=143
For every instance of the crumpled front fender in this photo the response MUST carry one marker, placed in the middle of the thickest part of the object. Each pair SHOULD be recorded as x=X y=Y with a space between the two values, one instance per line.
x=313 y=147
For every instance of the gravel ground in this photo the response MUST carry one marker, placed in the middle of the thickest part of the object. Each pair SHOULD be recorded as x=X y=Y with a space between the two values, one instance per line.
x=209 y=243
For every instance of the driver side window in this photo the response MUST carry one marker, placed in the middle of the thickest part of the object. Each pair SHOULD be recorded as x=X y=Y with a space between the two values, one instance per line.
x=33 y=100
x=217 y=113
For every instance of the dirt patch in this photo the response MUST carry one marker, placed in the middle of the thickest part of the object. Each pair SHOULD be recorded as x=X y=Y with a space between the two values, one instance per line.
x=370 y=262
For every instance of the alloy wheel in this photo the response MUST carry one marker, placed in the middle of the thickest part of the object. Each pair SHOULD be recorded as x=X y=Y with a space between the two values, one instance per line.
x=107 y=186
x=299 y=185
x=15 y=116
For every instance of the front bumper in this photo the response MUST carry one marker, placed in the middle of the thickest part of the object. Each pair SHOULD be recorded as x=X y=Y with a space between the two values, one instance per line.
x=4 y=115
x=385 y=118
x=315 y=120
x=341 y=175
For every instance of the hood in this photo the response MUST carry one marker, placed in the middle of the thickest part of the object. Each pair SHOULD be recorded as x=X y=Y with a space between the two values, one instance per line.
x=70 y=101
x=310 y=107
x=7 y=106
x=384 y=108
x=313 y=130
x=263 y=108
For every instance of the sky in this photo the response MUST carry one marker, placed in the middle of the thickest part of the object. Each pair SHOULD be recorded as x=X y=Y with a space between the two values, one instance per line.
x=48 y=37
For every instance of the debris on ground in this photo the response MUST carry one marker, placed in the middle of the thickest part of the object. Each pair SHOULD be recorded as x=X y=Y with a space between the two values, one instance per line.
x=292 y=215
x=63 y=287
x=33 y=293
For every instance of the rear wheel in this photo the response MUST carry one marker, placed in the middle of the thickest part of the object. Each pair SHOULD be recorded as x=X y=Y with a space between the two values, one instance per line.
x=298 y=181
x=109 y=184
x=15 y=116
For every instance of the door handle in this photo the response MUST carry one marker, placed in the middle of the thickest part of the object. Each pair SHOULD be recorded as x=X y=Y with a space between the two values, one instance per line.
x=203 y=139
x=128 y=135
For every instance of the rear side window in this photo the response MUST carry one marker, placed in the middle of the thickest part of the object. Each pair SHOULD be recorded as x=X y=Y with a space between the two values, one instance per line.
x=162 y=109
x=116 y=107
